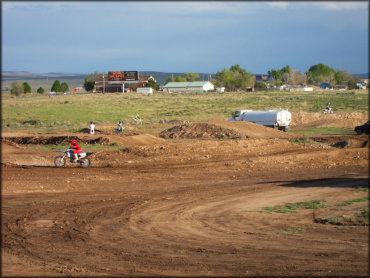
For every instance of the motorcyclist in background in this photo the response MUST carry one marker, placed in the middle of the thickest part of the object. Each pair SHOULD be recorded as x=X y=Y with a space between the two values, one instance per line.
x=328 y=106
x=76 y=149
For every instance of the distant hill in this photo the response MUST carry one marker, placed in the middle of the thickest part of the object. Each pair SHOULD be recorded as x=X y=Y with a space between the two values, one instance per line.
x=362 y=75
x=44 y=80
x=24 y=75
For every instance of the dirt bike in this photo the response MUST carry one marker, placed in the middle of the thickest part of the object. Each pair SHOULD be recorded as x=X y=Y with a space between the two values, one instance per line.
x=327 y=111
x=120 y=131
x=60 y=160
x=137 y=121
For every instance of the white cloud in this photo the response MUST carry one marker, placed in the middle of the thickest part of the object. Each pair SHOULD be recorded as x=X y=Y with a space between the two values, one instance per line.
x=339 y=6
x=160 y=8
x=184 y=7
x=7 y=6
x=282 y=5
x=173 y=8
x=328 y=6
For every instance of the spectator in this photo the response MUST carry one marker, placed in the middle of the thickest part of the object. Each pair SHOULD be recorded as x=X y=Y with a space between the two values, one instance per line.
x=92 y=128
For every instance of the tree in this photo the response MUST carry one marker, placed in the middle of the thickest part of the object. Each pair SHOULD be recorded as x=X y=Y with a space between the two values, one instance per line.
x=16 y=89
x=40 y=90
x=153 y=84
x=224 y=78
x=352 y=85
x=235 y=77
x=294 y=77
x=180 y=79
x=64 y=87
x=56 y=86
x=96 y=75
x=89 y=84
x=191 y=76
x=320 y=73
x=26 y=88
x=285 y=69
x=261 y=85
x=341 y=76
x=90 y=79
x=277 y=74
x=281 y=75
x=170 y=79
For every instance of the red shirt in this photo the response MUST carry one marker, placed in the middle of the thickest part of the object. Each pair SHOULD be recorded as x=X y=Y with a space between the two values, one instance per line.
x=76 y=147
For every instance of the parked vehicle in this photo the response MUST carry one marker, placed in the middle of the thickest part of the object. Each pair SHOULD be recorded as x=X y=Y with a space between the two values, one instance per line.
x=363 y=128
x=279 y=119
x=60 y=160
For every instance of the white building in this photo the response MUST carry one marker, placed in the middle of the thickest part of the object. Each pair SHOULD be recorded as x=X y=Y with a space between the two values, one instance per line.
x=145 y=90
x=196 y=86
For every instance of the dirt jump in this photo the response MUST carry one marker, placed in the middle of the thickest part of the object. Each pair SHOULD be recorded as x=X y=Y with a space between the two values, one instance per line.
x=210 y=198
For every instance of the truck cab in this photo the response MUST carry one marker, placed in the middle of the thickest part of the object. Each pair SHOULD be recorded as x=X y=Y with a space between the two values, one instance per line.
x=238 y=115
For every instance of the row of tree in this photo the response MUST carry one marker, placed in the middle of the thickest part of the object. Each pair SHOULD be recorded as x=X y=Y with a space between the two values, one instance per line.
x=236 y=77
x=18 y=89
x=188 y=77
x=315 y=75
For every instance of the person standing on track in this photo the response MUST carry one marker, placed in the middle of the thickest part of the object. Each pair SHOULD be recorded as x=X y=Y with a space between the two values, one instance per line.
x=76 y=149
x=92 y=128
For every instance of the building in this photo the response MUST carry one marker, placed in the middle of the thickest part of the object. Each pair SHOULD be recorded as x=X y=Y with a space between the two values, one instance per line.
x=195 y=86
x=145 y=90
x=362 y=85
x=325 y=86
x=264 y=77
x=121 y=81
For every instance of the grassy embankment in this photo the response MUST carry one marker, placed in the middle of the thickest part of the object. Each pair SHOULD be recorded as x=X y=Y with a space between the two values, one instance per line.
x=72 y=112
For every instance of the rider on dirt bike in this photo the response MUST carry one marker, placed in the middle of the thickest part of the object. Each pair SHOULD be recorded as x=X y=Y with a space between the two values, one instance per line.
x=328 y=106
x=76 y=148
x=137 y=119
x=328 y=109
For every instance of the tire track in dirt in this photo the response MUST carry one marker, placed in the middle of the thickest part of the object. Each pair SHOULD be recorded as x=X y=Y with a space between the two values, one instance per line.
x=185 y=208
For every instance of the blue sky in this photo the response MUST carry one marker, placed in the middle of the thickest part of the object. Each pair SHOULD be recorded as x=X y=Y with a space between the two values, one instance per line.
x=203 y=37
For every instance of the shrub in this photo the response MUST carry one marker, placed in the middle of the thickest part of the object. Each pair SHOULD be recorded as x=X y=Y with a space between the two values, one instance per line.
x=40 y=90
x=26 y=88
x=17 y=89
x=31 y=122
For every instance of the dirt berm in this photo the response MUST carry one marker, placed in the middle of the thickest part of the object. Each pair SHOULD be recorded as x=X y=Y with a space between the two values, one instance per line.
x=221 y=129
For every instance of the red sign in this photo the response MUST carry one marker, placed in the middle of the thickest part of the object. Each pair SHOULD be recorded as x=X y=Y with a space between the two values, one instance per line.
x=123 y=76
x=115 y=75
x=75 y=89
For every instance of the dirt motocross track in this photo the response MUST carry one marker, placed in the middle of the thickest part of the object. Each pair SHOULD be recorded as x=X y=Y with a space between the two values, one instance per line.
x=200 y=199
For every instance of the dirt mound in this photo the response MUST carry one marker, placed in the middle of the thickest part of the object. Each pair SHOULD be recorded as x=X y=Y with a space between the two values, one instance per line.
x=338 y=119
x=199 y=130
x=56 y=140
x=252 y=130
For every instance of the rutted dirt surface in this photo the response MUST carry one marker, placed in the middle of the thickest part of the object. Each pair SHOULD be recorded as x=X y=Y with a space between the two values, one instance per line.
x=194 y=202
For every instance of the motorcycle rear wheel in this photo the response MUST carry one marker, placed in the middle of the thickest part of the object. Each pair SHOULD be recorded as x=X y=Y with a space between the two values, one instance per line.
x=85 y=162
x=60 y=161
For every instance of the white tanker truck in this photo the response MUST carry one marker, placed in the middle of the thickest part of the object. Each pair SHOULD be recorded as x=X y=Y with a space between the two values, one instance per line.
x=279 y=119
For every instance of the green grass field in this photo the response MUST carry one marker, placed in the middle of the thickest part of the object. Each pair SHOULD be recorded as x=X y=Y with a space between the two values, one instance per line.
x=71 y=112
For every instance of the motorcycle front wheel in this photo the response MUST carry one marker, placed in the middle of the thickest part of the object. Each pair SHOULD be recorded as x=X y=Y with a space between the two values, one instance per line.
x=85 y=162
x=60 y=161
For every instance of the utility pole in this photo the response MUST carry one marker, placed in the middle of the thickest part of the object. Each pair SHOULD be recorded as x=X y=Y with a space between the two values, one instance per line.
x=103 y=84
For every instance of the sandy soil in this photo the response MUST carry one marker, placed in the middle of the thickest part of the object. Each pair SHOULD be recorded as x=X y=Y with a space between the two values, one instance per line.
x=194 y=203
